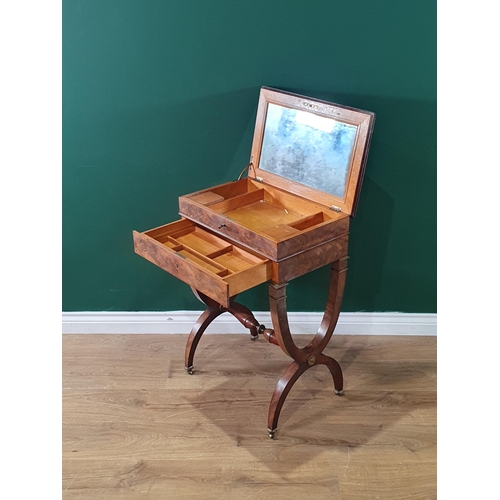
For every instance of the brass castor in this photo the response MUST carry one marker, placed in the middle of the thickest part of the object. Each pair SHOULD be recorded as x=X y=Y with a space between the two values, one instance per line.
x=189 y=369
x=271 y=433
x=339 y=393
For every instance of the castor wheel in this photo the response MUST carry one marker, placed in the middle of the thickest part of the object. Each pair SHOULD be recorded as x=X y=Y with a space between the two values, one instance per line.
x=339 y=393
x=271 y=433
x=189 y=369
x=254 y=338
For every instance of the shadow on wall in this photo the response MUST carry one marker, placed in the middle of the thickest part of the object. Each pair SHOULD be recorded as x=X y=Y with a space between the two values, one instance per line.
x=368 y=245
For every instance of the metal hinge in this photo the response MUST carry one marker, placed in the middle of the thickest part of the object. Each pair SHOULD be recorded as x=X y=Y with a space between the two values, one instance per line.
x=335 y=208
x=259 y=179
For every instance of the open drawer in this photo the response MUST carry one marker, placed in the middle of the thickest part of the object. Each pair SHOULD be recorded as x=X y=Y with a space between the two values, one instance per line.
x=214 y=266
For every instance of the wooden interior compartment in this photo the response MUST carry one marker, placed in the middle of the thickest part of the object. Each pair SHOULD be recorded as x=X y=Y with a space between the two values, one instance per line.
x=236 y=258
x=207 y=198
x=266 y=209
x=204 y=248
x=235 y=188
x=202 y=241
x=310 y=221
x=265 y=218
x=205 y=261
x=220 y=193
x=257 y=210
x=202 y=261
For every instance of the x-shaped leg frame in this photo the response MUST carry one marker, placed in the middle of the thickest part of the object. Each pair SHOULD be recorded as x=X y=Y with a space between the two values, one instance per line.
x=303 y=358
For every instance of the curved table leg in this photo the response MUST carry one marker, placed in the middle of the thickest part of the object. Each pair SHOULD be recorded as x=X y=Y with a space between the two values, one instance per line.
x=239 y=311
x=291 y=375
x=312 y=354
x=303 y=358
x=335 y=370
x=196 y=332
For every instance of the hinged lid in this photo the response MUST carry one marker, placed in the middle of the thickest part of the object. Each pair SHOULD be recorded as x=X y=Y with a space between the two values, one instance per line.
x=312 y=148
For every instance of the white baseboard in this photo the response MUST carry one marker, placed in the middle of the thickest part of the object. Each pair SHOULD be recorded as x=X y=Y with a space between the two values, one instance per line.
x=358 y=323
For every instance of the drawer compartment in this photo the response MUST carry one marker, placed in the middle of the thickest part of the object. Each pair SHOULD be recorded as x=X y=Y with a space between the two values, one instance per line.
x=275 y=223
x=214 y=266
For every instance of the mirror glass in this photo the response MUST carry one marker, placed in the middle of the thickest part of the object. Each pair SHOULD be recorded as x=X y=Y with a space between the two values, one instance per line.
x=307 y=148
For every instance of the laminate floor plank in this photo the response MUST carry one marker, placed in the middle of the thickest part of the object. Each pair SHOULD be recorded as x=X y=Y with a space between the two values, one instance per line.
x=136 y=426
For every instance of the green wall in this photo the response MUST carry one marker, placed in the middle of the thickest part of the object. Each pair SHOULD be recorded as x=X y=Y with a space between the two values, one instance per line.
x=159 y=100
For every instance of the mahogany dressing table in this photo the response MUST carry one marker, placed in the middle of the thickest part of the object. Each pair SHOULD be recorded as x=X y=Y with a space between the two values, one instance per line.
x=288 y=217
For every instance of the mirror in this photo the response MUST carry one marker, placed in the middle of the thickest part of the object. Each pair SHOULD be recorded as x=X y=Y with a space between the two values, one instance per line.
x=307 y=148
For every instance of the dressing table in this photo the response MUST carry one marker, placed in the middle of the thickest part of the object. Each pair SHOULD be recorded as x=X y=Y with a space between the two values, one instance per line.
x=288 y=217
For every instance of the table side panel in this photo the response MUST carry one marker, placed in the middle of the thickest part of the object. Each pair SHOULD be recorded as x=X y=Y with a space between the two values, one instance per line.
x=249 y=278
x=314 y=258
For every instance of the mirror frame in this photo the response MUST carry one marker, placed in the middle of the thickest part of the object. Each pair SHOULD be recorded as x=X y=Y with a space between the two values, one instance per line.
x=363 y=120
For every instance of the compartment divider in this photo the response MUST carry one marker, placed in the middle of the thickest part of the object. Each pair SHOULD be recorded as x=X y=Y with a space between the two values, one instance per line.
x=238 y=201
x=182 y=232
x=177 y=245
x=220 y=252
x=224 y=272
x=159 y=233
x=309 y=221
x=204 y=258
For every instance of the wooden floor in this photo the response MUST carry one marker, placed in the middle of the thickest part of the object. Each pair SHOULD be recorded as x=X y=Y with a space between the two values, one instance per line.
x=137 y=426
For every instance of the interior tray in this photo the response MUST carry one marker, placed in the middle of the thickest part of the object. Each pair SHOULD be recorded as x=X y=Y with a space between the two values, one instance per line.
x=211 y=264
